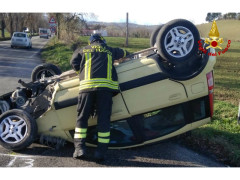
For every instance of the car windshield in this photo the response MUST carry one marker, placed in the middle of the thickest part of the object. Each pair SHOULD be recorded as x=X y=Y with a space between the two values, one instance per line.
x=21 y=35
x=43 y=31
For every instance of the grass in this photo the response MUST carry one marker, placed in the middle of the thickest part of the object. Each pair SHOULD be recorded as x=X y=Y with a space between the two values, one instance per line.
x=59 y=53
x=221 y=137
x=228 y=29
x=227 y=72
x=7 y=36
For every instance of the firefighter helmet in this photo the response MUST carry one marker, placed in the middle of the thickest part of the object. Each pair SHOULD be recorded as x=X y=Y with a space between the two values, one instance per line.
x=96 y=37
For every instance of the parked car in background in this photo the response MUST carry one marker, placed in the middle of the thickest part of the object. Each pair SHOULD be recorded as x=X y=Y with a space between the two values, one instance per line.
x=44 y=33
x=21 y=39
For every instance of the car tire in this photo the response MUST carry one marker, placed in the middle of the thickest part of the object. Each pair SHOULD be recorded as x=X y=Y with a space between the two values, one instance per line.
x=12 y=46
x=45 y=71
x=177 y=41
x=18 y=129
x=154 y=35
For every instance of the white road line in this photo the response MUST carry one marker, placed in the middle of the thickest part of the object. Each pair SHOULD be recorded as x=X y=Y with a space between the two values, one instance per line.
x=11 y=162
x=28 y=161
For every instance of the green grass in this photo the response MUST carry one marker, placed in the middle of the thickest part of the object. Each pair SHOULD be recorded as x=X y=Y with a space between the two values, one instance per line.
x=221 y=137
x=7 y=36
x=228 y=29
x=59 y=53
x=227 y=72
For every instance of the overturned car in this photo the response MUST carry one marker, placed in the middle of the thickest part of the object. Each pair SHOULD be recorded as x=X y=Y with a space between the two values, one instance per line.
x=165 y=91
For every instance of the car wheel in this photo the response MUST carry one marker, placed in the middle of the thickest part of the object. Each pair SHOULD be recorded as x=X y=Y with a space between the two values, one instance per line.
x=154 y=35
x=4 y=106
x=44 y=71
x=177 y=41
x=12 y=46
x=17 y=129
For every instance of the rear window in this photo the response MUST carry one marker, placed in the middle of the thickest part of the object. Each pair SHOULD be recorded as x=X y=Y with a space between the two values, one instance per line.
x=43 y=31
x=21 y=35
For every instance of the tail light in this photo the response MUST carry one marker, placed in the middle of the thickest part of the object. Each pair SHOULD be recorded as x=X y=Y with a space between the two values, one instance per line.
x=210 y=81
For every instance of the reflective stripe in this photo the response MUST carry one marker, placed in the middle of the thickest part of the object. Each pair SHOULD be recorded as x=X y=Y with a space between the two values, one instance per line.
x=88 y=62
x=98 y=81
x=125 y=53
x=86 y=68
x=102 y=140
x=103 y=134
x=90 y=66
x=81 y=130
x=80 y=136
x=98 y=86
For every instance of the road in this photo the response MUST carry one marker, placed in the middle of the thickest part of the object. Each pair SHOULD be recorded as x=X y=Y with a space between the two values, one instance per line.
x=18 y=63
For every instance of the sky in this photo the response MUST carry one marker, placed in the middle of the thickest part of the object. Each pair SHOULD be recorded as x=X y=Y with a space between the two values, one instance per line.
x=145 y=12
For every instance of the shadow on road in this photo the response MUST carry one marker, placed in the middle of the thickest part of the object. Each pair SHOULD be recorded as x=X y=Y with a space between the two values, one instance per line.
x=165 y=154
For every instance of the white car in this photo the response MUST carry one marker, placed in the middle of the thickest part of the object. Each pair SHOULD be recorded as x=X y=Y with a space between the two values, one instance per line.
x=21 y=39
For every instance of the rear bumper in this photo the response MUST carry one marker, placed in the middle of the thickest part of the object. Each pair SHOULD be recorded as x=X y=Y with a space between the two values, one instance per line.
x=19 y=44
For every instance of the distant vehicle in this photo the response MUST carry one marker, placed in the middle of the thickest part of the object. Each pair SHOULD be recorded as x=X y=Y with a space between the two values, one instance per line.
x=101 y=32
x=44 y=33
x=21 y=39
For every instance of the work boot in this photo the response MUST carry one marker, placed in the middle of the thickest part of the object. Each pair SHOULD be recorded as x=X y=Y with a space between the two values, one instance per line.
x=80 y=149
x=100 y=153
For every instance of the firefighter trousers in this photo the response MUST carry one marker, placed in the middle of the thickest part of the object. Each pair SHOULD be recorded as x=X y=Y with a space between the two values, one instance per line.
x=102 y=102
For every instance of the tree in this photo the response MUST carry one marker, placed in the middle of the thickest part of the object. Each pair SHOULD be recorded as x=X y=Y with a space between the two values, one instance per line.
x=2 y=24
x=213 y=16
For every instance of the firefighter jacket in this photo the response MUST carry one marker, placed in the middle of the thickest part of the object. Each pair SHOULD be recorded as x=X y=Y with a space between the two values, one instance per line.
x=94 y=63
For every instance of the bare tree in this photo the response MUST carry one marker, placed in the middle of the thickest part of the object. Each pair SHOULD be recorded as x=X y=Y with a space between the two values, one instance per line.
x=3 y=24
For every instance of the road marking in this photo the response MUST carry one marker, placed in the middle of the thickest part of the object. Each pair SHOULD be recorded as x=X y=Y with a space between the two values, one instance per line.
x=28 y=161
x=11 y=162
x=15 y=155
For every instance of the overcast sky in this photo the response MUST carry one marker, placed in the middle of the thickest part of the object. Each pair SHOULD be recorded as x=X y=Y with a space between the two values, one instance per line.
x=148 y=12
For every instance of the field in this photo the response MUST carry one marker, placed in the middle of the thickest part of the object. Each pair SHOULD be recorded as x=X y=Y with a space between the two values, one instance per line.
x=221 y=137
x=228 y=29
x=7 y=36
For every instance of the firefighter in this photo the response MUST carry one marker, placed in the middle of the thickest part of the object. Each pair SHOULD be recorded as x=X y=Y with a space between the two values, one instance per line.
x=98 y=84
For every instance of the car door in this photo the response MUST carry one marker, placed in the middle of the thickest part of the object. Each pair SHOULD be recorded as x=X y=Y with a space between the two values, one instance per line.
x=145 y=87
x=65 y=102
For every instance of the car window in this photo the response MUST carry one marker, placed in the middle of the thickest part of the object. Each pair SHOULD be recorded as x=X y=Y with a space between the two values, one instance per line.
x=164 y=121
x=43 y=31
x=20 y=35
x=121 y=134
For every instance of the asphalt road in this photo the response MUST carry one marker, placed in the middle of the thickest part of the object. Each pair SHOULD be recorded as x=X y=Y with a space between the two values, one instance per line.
x=18 y=63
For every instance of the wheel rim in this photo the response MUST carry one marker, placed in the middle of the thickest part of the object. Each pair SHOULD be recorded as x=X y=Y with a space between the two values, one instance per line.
x=179 y=41
x=44 y=74
x=13 y=129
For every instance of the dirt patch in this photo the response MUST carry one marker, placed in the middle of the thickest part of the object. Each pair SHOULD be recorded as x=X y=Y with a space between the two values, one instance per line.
x=210 y=149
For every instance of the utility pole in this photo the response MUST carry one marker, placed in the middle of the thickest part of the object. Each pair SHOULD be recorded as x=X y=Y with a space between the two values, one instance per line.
x=126 y=44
